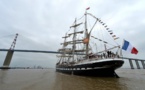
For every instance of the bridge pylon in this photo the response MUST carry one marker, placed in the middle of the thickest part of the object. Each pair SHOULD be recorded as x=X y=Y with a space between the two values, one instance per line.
x=136 y=62
x=10 y=53
x=131 y=64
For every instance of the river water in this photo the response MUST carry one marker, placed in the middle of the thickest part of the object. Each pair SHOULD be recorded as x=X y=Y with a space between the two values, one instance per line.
x=48 y=79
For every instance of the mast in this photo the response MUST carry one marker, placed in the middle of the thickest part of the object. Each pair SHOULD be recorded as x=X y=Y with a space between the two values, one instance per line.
x=74 y=40
x=86 y=35
x=64 y=45
x=62 y=50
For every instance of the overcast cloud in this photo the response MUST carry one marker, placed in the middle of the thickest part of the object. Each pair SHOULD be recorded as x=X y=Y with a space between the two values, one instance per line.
x=41 y=24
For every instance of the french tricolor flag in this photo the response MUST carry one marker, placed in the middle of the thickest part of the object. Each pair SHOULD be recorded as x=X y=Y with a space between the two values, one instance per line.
x=128 y=47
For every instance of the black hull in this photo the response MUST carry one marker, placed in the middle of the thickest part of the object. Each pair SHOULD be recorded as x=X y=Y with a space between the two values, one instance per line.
x=90 y=72
x=106 y=68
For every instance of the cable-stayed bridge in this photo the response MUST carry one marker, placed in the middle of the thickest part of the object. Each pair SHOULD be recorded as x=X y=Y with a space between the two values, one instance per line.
x=33 y=51
x=11 y=50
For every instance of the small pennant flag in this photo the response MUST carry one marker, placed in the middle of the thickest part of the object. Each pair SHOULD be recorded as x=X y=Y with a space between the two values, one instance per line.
x=104 y=41
x=111 y=33
x=116 y=38
x=87 y=8
x=99 y=39
x=86 y=40
x=107 y=28
x=103 y=23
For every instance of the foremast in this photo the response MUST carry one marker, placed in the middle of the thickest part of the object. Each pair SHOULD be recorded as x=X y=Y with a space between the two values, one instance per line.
x=74 y=40
x=68 y=53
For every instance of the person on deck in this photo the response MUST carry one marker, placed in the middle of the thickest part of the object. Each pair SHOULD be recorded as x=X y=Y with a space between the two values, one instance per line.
x=108 y=54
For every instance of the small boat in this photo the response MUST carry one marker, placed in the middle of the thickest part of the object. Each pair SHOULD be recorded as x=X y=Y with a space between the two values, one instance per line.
x=85 y=53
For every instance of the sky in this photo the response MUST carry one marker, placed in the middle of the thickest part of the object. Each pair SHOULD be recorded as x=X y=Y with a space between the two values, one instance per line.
x=42 y=23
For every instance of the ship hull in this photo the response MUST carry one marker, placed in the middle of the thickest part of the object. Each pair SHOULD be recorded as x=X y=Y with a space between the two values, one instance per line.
x=92 y=68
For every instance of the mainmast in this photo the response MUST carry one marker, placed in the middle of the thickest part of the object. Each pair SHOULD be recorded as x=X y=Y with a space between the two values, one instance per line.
x=86 y=35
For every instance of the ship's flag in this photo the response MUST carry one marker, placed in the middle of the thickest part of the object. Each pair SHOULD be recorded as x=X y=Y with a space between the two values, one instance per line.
x=105 y=26
x=86 y=40
x=128 y=47
x=87 y=8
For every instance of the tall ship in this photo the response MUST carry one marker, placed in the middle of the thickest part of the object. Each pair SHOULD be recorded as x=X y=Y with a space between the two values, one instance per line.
x=89 y=49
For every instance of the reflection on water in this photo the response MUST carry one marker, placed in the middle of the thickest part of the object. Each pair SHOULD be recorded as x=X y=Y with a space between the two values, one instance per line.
x=48 y=79
x=66 y=82
x=2 y=76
